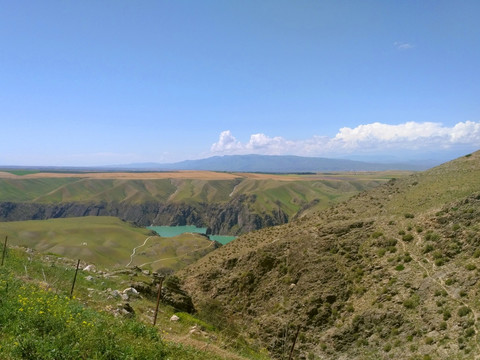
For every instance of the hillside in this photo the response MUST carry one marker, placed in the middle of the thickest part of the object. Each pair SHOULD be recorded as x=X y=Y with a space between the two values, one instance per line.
x=107 y=242
x=390 y=273
x=109 y=317
x=227 y=203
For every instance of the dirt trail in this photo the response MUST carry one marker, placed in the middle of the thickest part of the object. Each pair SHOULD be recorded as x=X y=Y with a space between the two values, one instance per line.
x=135 y=249
x=176 y=257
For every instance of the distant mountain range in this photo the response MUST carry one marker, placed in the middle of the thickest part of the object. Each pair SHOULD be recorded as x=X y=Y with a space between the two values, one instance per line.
x=275 y=164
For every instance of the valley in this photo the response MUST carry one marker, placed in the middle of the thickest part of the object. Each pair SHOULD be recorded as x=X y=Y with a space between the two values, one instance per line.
x=226 y=203
x=385 y=272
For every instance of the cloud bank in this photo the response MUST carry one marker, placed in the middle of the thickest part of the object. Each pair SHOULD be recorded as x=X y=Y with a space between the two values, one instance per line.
x=366 y=139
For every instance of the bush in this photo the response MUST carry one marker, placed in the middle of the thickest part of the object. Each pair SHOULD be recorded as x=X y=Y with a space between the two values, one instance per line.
x=440 y=262
x=409 y=216
x=431 y=236
x=463 y=311
x=407 y=237
x=428 y=248
x=412 y=302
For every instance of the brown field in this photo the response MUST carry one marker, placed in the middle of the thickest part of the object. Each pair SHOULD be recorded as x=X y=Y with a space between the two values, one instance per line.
x=206 y=175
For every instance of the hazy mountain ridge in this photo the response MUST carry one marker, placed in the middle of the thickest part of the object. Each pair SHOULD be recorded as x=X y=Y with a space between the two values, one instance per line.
x=276 y=164
x=391 y=272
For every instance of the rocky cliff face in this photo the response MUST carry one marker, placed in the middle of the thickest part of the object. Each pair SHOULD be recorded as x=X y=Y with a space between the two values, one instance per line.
x=234 y=217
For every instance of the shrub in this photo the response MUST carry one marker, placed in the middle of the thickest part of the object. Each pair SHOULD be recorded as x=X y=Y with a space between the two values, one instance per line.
x=431 y=236
x=407 y=237
x=428 y=248
x=412 y=302
x=470 y=267
x=463 y=311
x=449 y=281
x=440 y=262
x=409 y=216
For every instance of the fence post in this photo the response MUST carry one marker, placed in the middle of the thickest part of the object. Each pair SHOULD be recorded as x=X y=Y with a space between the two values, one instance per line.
x=294 y=341
x=74 y=279
x=4 y=249
x=159 y=295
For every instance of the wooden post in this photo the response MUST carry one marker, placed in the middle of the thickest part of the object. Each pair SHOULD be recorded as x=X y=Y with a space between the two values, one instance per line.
x=294 y=341
x=4 y=249
x=159 y=295
x=74 y=279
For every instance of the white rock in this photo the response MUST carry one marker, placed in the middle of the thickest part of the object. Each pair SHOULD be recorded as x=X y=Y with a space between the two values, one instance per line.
x=89 y=268
x=89 y=278
x=130 y=291
x=174 y=318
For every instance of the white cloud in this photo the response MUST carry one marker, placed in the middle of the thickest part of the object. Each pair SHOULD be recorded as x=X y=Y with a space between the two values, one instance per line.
x=226 y=143
x=368 y=138
x=400 y=45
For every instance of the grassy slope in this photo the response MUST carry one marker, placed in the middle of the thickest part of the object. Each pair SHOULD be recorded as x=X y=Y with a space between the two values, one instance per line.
x=104 y=241
x=172 y=253
x=39 y=321
x=390 y=273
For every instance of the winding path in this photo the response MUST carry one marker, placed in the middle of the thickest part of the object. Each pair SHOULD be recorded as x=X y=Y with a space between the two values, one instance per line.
x=176 y=257
x=135 y=249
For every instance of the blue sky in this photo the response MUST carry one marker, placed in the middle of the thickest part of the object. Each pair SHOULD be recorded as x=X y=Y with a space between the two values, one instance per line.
x=116 y=82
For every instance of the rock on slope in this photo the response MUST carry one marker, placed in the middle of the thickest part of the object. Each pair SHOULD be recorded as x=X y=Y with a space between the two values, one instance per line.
x=391 y=273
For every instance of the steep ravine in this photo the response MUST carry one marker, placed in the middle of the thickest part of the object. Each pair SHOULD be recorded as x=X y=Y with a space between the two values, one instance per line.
x=234 y=217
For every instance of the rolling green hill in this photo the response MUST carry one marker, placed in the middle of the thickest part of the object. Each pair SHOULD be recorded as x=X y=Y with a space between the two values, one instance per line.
x=389 y=273
x=106 y=242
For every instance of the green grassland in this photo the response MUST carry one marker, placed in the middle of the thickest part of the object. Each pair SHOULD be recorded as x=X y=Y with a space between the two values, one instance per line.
x=172 y=253
x=39 y=320
x=105 y=242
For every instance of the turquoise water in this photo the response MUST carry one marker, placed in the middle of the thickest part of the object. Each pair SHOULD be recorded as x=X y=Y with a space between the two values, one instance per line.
x=222 y=239
x=171 y=231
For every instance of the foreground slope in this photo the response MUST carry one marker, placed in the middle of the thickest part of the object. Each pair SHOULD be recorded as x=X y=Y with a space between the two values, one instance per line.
x=39 y=319
x=390 y=273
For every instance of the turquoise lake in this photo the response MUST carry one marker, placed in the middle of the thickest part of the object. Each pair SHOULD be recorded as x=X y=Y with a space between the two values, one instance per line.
x=171 y=231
